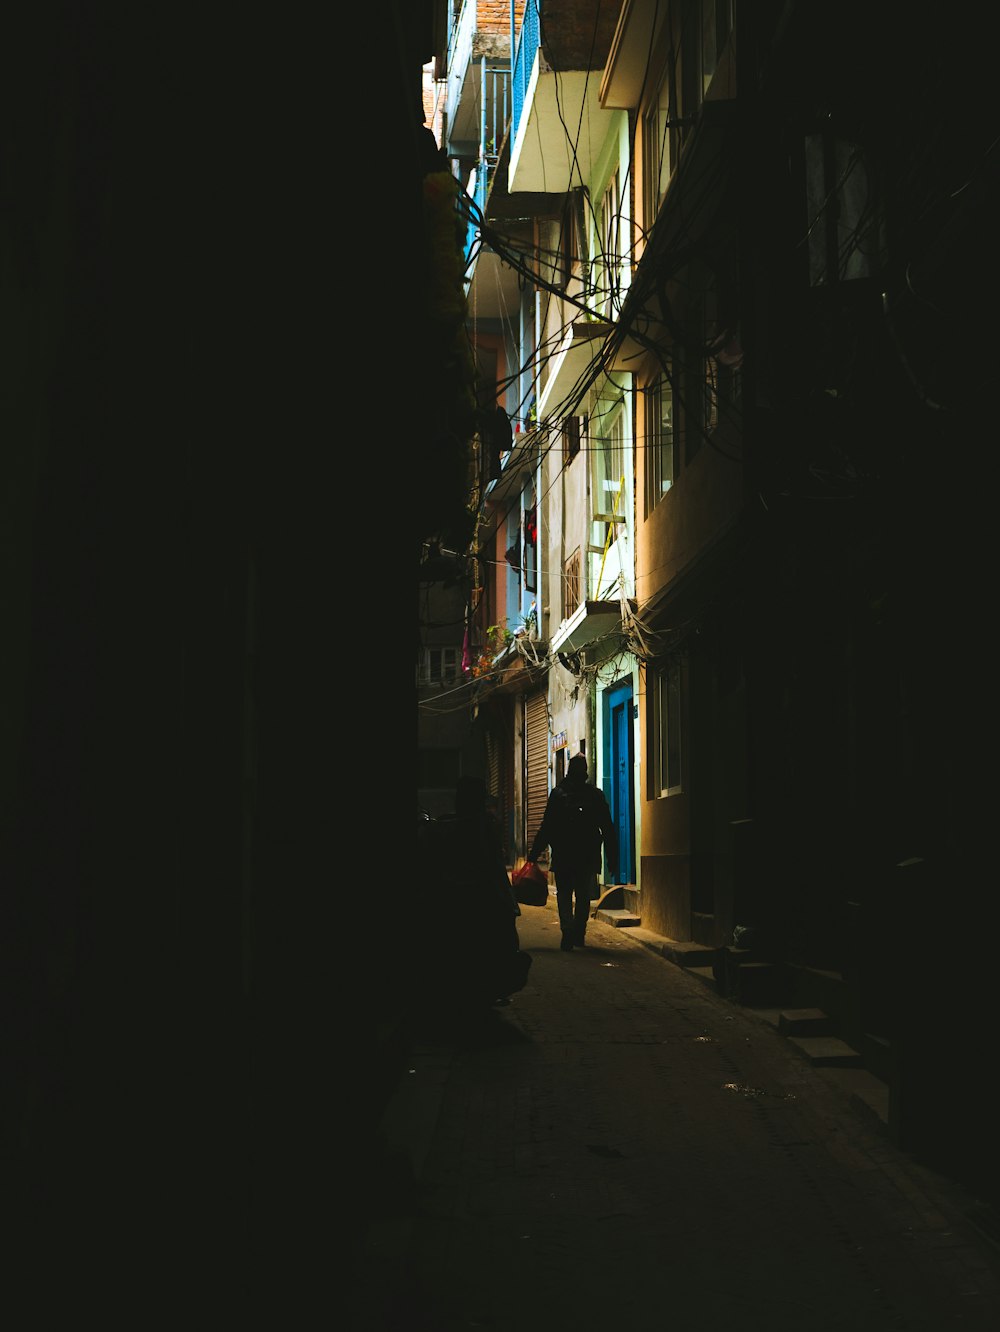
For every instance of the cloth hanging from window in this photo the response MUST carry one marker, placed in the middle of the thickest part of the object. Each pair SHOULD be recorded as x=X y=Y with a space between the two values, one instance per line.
x=513 y=554
x=530 y=526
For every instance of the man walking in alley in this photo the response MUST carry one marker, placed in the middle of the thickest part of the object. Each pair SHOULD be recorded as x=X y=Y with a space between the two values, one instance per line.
x=576 y=823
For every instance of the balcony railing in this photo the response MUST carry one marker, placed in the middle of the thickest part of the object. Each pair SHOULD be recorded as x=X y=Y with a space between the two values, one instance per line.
x=528 y=43
x=495 y=103
x=496 y=110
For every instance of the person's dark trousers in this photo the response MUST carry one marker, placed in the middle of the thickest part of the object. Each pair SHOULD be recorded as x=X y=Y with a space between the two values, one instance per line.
x=574 y=889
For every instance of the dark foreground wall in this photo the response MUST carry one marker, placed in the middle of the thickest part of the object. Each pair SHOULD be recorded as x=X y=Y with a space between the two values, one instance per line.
x=201 y=724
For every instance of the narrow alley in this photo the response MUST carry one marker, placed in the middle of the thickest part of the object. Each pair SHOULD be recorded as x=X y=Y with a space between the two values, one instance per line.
x=620 y=1147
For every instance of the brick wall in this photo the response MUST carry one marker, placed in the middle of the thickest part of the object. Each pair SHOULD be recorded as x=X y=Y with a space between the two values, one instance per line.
x=494 y=16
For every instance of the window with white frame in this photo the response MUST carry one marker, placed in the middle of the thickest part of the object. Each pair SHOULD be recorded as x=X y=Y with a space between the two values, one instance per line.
x=607 y=482
x=658 y=412
x=607 y=453
x=656 y=148
x=664 y=737
x=439 y=665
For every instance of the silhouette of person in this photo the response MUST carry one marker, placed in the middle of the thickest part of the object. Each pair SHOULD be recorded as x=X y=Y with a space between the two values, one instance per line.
x=576 y=823
x=474 y=868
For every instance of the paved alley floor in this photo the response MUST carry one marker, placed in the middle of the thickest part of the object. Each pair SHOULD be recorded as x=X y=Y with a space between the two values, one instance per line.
x=621 y=1148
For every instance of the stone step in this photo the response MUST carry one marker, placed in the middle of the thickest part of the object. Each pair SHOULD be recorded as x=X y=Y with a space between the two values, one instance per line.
x=618 y=917
x=827 y=1051
x=688 y=955
x=631 y=898
x=805 y=1022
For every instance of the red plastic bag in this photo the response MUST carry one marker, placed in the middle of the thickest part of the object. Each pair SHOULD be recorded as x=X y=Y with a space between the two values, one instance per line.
x=531 y=885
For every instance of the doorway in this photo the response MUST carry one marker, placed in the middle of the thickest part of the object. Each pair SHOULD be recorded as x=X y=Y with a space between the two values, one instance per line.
x=619 y=765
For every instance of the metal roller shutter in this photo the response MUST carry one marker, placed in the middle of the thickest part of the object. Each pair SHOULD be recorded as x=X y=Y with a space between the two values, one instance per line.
x=536 y=731
x=493 y=765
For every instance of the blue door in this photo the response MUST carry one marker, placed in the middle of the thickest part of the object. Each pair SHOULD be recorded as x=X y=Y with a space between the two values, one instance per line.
x=619 y=762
